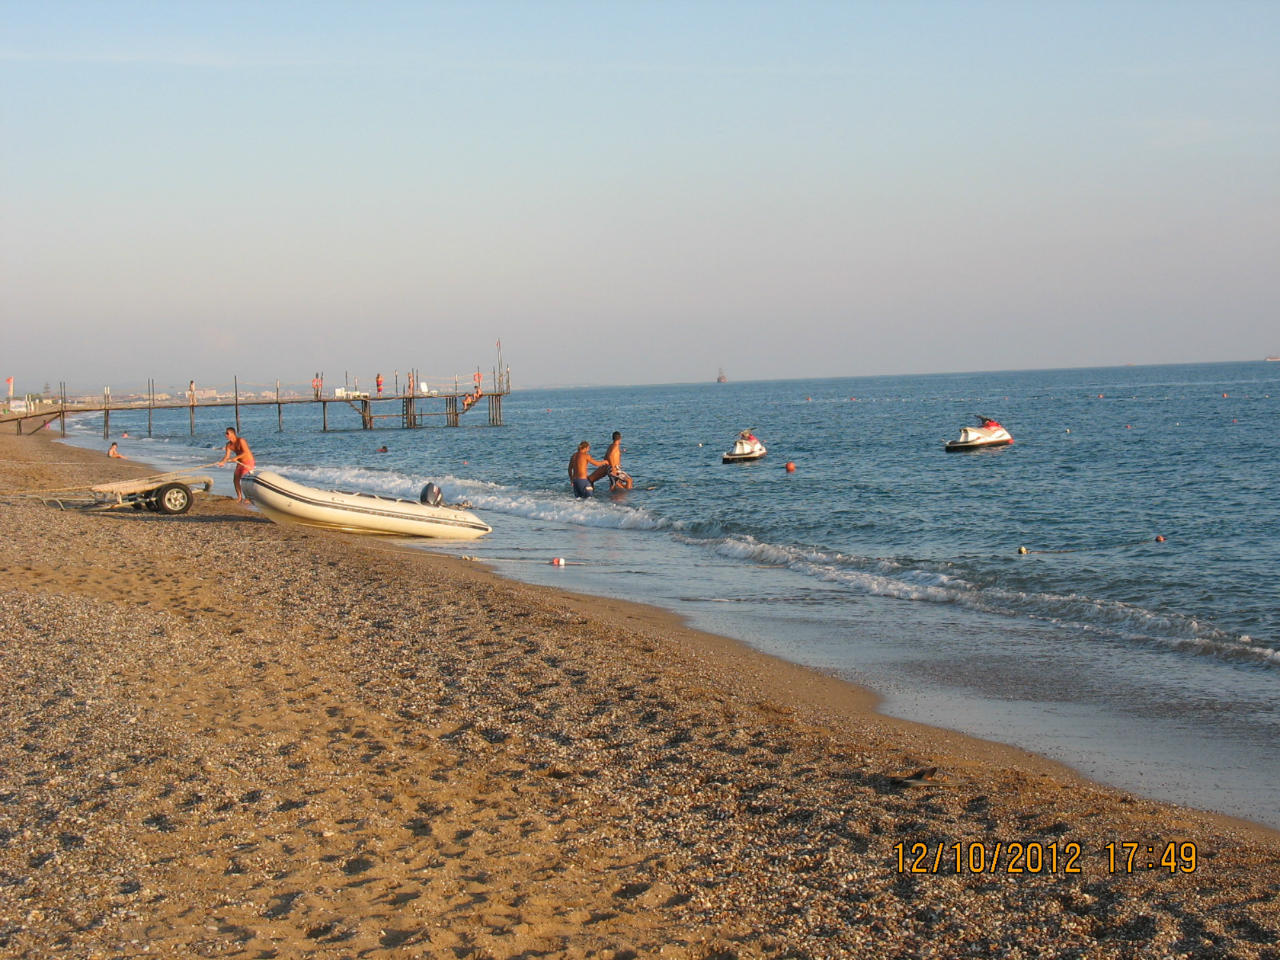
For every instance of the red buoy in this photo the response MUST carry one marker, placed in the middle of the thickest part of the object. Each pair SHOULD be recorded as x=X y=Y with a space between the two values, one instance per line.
x=791 y=467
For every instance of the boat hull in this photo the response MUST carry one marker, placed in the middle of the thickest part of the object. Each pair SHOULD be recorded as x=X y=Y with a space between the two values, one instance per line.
x=959 y=446
x=742 y=457
x=288 y=502
x=990 y=434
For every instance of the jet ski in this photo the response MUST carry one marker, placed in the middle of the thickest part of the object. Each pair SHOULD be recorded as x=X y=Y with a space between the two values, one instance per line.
x=988 y=433
x=745 y=449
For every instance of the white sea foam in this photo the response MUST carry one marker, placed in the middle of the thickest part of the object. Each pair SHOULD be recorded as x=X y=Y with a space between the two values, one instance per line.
x=485 y=496
x=889 y=578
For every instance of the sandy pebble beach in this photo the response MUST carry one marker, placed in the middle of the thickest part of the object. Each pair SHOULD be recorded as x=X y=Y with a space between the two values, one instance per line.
x=223 y=737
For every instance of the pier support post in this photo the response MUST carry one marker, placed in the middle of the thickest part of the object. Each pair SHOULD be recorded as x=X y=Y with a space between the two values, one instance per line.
x=451 y=411
x=235 y=383
x=279 y=410
x=495 y=410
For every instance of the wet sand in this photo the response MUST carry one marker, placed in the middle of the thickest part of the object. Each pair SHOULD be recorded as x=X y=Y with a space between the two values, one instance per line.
x=222 y=737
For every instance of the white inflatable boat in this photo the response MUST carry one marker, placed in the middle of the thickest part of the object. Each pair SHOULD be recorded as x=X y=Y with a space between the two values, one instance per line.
x=287 y=502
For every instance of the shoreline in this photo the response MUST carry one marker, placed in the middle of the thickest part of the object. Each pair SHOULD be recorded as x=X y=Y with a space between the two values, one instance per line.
x=633 y=752
x=825 y=696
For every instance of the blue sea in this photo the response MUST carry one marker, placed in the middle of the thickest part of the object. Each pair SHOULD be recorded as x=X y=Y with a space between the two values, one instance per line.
x=1153 y=666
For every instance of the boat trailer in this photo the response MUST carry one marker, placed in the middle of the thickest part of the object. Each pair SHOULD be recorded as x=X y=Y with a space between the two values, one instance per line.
x=167 y=493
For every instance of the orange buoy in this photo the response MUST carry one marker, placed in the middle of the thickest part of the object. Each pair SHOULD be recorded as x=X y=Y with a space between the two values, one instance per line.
x=791 y=467
x=557 y=562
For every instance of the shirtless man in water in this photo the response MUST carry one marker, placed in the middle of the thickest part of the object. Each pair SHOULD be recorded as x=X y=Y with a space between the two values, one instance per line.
x=579 y=465
x=612 y=466
x=237 y=451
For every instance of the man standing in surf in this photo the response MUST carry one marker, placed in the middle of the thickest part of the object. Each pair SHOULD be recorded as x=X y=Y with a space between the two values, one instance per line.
x=612 y=466
x=580 y=465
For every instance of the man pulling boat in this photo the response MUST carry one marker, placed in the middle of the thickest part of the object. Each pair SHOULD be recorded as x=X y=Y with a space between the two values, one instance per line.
x=237 y=451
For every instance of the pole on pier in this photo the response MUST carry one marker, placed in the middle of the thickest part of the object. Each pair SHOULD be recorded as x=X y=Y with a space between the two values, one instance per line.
x=279 y=409
x=106 y=412
x=235 y=385
x=324 y=416
x=366 y=414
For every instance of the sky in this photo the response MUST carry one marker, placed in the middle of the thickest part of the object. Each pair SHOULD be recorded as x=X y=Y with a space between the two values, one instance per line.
x=633 y=192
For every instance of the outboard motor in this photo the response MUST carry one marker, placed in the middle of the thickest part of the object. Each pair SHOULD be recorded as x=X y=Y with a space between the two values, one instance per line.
x=432 y=496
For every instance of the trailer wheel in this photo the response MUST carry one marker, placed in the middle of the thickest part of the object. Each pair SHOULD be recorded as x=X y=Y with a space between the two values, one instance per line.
x=173 y=498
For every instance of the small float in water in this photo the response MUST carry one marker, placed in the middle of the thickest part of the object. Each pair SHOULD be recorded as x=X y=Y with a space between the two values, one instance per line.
x=288 y=502
x=745 y=449
x=988 y=433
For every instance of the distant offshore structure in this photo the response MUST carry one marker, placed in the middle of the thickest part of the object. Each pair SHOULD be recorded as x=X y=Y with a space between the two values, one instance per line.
x=721 y=378
x=1273 y=359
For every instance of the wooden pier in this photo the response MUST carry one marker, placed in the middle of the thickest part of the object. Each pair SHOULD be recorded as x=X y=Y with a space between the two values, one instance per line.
x=409 y=411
